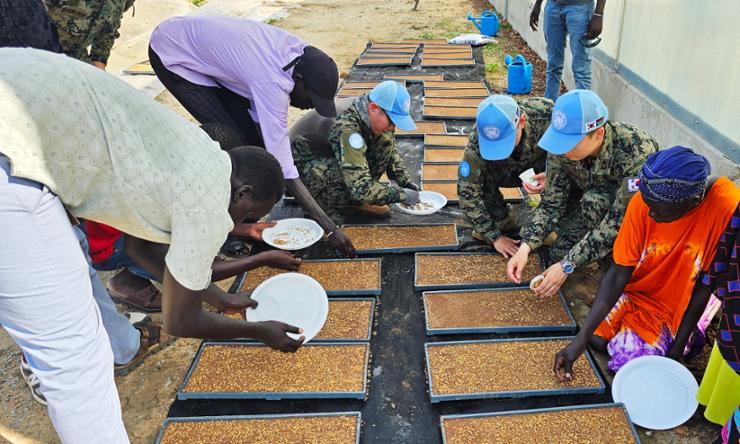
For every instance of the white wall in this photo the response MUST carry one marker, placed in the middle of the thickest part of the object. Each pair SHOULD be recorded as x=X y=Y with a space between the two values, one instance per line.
x=668 y=66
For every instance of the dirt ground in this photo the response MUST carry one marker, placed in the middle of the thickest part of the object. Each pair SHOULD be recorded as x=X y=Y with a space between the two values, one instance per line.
x=341 y=28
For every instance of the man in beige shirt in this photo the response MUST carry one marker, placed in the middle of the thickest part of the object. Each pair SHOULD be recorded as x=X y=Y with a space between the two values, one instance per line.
x=72 y=136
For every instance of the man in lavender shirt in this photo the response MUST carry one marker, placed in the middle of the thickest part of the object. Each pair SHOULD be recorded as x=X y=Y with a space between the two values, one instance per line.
x=245 y=74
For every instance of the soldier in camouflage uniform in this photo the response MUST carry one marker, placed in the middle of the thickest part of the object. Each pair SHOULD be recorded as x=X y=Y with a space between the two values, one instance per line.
x=341 y=164
x=509 y=132
x=596 y=158
x=88 y=23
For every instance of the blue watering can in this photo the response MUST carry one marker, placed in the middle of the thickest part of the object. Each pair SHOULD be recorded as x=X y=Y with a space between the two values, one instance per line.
x=487 y=23
x=520 y=75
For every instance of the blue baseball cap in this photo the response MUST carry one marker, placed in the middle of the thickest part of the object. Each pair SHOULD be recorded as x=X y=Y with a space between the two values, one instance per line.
x=497 y=119
x=396 y=102
x=575 y=114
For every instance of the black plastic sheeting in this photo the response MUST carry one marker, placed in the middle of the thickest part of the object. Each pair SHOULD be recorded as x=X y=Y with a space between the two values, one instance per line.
x=397 y=408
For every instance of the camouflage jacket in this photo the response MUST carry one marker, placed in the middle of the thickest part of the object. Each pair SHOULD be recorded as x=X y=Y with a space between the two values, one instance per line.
x=88 y=23
x=624 y=151
x=363 y=157
x=527 y=154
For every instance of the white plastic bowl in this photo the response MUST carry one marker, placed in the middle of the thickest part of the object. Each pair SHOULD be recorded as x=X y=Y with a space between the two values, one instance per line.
x=432 y=197
x=293 y=298
x=293 y=234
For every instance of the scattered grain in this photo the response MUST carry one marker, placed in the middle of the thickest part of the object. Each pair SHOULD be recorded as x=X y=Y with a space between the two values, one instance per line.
x=348 y=320
x=333 y=275
x=446 y=140
x=453 y=57
x=451 y=101
x=340 y=429
x=436 y=171
x=225 y=284
x=481 y=309
x=388 y=61
x=425 y=62
x=481 y=93
x=510 y=366
x=604 y=425
x=448 y=189
x=512 y=193
x=443 y=154
x=468 y=269
x=415 y=78
x=450 y=112
x=257 y=368
x=387 y=237
x=453 y=85
x=424 y=127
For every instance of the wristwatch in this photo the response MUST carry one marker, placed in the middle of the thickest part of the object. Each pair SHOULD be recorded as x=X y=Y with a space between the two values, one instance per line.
x=567 y=266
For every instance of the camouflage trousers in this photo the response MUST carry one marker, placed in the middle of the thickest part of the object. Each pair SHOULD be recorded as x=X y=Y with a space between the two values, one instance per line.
x=584 y=212
x=323 y=178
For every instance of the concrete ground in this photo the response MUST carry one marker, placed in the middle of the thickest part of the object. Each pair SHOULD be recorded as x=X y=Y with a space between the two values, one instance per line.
x=341 y=28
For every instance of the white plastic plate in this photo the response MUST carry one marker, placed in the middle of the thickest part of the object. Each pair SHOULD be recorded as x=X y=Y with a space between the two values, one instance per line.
x=659 y=393
x=293 y=234
x=433 y=198
x=293 y=298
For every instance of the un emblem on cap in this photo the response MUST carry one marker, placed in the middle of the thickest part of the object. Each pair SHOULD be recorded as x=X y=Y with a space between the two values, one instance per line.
x=492 y=132
x=559 y=120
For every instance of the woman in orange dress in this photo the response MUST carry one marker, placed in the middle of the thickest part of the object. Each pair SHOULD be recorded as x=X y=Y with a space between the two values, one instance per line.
x=650 y=299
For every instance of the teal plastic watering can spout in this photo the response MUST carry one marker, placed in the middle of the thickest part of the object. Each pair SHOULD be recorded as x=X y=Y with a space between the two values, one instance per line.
x=487 y=23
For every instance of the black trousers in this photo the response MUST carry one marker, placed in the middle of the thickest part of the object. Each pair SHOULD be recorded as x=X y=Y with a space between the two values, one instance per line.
x=210 y=104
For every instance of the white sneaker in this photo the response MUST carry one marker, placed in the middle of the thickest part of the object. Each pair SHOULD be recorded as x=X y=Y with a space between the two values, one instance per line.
x=32 y=380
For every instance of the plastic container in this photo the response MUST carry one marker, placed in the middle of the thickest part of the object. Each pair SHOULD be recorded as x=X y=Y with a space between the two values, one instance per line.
x=520 y=75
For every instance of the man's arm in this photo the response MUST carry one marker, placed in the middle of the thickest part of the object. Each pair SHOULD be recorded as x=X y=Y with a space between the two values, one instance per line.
x=183 y=315
x=610 y=289
x=354 y=168
x=397 y=168
x=337 y=238
x=470 y=191
x=107 y=23
x=182 y=309
x=151 y=256
x=698 y=303
x=554 y=200
x=534 y=16
x=597 y=20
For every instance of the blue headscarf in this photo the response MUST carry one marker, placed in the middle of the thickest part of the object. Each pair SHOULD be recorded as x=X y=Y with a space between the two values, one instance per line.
x=674 y=175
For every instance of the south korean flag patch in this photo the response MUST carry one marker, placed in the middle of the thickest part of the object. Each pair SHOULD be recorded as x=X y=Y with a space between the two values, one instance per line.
x=633 y=184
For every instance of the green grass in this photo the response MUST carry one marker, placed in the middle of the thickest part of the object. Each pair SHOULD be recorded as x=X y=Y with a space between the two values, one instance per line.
x=272 y=21
x=198 y=2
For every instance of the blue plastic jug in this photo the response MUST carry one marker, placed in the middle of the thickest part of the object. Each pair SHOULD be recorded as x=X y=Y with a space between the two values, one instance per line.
x=487 y=23
x=520 y=75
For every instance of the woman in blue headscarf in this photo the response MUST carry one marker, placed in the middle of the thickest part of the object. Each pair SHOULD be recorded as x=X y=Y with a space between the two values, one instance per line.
x=651 y=297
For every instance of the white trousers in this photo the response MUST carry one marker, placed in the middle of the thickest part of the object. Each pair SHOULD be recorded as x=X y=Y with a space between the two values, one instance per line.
x=47 y=307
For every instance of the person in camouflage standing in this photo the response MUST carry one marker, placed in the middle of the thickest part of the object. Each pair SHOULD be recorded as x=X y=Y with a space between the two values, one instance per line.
x=84 y=24
x=503 y=146
x=596 y=158
x=342 y=167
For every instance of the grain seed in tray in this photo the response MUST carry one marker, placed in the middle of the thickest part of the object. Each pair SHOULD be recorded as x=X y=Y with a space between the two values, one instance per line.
x=402 y=238
x=439 y=271
x=504 y=368
x=337 y=276
x=583 y=424
x=494 y=311
x=327 y=428
x=236 y=370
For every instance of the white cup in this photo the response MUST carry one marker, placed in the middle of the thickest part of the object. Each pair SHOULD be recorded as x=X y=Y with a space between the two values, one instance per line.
x=528 y=177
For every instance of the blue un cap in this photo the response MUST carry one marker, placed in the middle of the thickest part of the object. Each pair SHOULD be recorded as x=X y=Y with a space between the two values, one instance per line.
x=575 y=114
x=396 y=102
x=497 y=119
